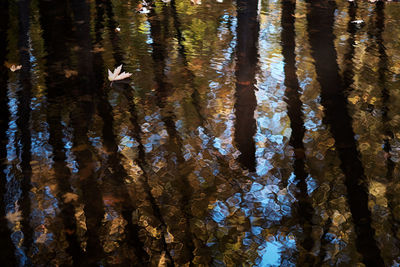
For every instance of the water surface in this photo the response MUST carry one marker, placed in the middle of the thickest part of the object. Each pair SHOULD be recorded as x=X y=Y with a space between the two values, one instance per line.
x=251 y=133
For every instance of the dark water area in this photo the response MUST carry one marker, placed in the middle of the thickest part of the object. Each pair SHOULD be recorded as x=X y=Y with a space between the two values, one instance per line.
x=251 y=133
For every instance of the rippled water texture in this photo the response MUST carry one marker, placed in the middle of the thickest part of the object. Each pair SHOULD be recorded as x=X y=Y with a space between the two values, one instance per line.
x=249 y=134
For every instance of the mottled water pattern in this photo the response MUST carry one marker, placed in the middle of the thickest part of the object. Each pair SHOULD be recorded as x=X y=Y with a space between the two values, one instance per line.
x=251 y=133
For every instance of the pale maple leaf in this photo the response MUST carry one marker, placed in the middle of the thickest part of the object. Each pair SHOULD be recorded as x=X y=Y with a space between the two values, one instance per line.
x=14 y=68
x=116 y=75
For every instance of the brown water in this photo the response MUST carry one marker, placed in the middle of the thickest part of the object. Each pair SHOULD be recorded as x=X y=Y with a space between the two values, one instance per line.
x=250 y=133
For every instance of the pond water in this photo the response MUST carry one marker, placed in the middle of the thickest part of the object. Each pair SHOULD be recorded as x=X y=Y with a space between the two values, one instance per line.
x=251 y=133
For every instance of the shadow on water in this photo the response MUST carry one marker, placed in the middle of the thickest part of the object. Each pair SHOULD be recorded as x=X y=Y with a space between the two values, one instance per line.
x=246 y=65
x=6 y=245
x=320 y=20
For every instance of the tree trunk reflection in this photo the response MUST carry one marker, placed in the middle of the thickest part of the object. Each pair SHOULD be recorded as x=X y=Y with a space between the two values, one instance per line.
x=304 y=209
x=246 y=66
x=320 y=20
x=6 y=245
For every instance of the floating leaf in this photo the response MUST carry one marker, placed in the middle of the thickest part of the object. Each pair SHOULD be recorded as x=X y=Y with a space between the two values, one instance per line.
x=358 y=21
x=144 y=10
x=14 y=68
x=117 y=75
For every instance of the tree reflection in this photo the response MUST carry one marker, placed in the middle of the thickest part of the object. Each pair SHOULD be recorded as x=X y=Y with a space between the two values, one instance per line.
x=23 y=122
x=160 y=34
x=320 y=20
x=52 y=15
x=55 y=15
x=115 y=174
x=189 y=74
x=348 y=73
x=6 y=245
x=188 y=163
x=304 y=210
x=383 y=70
x=246 y=65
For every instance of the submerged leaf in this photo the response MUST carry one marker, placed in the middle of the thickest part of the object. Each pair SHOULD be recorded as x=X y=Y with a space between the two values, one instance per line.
x=70 y=73
x=14 y=217
x=68 y=197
